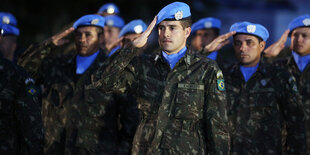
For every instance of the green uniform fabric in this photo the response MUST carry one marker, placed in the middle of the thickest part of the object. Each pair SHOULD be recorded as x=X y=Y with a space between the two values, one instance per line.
x=183 y=111
x=303 y=84
x=261 y=108
x=75 y=121
x=21 y=127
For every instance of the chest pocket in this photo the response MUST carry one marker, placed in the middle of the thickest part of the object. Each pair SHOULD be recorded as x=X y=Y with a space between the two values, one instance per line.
x=189 y=101
x=264 y=104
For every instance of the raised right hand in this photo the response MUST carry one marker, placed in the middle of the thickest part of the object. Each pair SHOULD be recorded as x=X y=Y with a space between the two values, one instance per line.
x=274 y=49
x=58 y=39
x=141 y=41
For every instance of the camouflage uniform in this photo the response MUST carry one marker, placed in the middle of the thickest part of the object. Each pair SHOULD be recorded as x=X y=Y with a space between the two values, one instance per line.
x=259 y=109
x=21 y=128
x=303 y=84
x=183 y=111
x=78 y=121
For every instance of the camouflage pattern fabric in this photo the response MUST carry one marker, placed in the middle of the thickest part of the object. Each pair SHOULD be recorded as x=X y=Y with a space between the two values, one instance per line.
x=261 y=107
x=21 y=128
x=183 y=111
x=303 y=85
x=78 y=121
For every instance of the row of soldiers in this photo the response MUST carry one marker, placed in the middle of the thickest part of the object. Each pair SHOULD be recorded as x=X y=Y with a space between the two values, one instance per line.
x=114 y=95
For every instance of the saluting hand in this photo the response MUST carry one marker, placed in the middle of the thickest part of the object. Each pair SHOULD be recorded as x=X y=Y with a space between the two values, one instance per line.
x=141 y=41
x=58 y=39
x=218 y=42
x=275 y=48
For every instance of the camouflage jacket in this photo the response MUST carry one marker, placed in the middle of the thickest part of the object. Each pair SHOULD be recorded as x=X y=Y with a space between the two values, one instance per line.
x=76 y=121
x=183 y=111
x=260 y=107
x=20 y=118
x=303 y=84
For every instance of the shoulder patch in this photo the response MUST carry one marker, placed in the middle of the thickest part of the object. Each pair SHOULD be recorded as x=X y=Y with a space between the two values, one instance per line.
x=219 y=74
x=32 y=90
x=220 y=84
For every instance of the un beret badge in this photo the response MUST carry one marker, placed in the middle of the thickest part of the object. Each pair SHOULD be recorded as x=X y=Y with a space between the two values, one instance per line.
x=178 y=15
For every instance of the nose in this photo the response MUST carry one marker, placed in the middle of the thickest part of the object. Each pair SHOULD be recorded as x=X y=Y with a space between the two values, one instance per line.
x=242 y=47
x=166 y=33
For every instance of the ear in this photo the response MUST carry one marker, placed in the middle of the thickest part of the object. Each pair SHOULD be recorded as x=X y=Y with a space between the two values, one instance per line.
x=262 y=45
x=188 y=31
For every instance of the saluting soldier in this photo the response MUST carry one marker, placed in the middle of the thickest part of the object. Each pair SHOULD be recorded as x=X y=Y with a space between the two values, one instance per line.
x=204 y=31
x=21 y=127
x=181 y=96
x=74 y=122
x=262 y=98
x=296 y=61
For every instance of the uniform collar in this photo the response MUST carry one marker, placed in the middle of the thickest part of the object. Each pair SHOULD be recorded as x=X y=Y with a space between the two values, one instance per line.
x=301 y=61
x=84 y=62
x=172 y=59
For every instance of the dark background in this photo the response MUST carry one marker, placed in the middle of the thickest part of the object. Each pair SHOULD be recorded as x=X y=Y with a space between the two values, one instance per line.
x=38 y=20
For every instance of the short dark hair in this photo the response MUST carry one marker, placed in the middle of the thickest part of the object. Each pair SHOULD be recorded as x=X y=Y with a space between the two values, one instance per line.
x=185 y=22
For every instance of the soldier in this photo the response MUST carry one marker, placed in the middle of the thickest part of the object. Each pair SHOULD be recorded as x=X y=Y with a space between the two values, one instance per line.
x=112 y=28
x=8 y=37
x=76 y=122
x=297 y=61
x=181 y=96
x=262 y=98
x=204 y=31
x=20 y=118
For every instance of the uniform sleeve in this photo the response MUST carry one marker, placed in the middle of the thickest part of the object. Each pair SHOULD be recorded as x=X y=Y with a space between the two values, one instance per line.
x=28 y=116
x=215 y=114
x=294 y=116
x=120 y=74
x=33 y=57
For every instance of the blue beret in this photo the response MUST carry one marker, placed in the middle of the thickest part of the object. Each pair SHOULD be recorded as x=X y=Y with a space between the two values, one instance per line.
x=301 y=21
x=114 y=20
x=8 y=18
x=175 y=11
x=250 y=28
x=135 y=26
x=89 y=20
x=110 y=8
x=205 y=23
x=7 y=29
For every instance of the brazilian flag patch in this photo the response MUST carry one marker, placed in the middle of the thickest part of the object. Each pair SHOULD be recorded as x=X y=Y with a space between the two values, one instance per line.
x=220 y=84
x=32 y=90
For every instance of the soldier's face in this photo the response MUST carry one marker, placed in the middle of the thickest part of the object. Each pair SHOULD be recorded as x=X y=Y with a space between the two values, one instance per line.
x=300 y=40
x=172 y=36
x=248 y=49
x=87 y=40
x=8 y=44
x=202 y=38
x=110 y=34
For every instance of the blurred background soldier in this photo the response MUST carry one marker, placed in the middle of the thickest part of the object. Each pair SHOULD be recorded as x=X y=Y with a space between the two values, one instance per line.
x=78 y=122
x=9 y=48
x=112 y=28
x=262 y=98
x=21 y=128
x=204 y=31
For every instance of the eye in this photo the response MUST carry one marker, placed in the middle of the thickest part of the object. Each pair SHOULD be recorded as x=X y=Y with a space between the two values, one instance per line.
x=249 y=42
x=237 y=43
